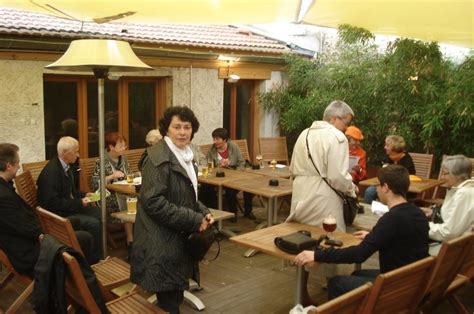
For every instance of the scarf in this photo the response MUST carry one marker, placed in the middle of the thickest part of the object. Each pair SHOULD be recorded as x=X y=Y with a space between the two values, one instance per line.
x=185 y=157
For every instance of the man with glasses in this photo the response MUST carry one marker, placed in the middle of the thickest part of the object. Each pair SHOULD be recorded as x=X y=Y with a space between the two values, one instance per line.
x=322 y=151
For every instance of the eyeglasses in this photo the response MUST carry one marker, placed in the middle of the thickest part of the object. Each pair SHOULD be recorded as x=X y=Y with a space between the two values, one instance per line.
x=347 y=123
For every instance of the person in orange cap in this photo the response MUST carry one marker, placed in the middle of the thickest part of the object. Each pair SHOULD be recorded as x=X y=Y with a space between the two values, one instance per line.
x=354 y=136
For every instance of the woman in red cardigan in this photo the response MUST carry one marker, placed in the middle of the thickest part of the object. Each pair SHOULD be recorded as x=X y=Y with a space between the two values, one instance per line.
x=354 y=136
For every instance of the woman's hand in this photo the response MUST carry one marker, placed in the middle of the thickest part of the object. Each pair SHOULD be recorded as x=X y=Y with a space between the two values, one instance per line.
x=118 y=174
x=224 y=163
x=206 y=222
x=305 y=257
x=360 y=234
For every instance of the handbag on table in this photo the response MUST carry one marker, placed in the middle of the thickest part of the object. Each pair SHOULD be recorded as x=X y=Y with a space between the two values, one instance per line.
x=296 y=242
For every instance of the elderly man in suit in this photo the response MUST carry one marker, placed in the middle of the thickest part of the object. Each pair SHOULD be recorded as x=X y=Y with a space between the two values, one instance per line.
x=19 y=225
x=57 y=191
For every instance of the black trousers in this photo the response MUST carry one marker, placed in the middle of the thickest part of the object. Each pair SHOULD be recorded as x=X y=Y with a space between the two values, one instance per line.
x=170 y=300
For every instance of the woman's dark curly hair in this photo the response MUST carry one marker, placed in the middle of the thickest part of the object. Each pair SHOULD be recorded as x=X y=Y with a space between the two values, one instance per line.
x=184 y=114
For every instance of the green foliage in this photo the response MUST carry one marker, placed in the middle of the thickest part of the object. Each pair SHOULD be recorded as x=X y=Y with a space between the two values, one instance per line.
x=409 y=90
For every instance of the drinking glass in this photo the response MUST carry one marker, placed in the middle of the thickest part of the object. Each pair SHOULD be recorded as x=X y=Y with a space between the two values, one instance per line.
x=259 y=158
x=205 y=171
x=131 y=205
x=329 y=225
x=210 y=164
x=130 y=178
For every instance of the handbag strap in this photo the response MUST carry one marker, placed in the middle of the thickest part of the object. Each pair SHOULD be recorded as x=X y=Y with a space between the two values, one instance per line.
x=340 y=194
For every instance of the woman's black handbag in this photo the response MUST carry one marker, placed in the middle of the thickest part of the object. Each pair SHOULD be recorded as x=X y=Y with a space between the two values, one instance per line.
x=198 y=243
x=295 y=243
x=350 y=208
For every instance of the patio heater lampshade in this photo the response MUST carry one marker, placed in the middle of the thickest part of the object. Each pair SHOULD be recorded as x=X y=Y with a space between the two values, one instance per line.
x=101 y=57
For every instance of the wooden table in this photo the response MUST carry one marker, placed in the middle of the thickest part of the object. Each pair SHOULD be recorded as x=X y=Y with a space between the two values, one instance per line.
x=127 y=189
x=365 y=221
x=263 y=240
x=230 y=175
x=259 y=185
x=271 y=172
x=415 y=186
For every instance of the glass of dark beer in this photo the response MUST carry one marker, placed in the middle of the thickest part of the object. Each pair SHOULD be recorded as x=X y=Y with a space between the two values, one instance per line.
x=329 y=225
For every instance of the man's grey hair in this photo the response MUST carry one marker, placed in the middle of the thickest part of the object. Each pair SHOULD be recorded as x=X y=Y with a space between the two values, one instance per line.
x=458 y=166
x=337 y=109
x=153 y=137
x=66 y=143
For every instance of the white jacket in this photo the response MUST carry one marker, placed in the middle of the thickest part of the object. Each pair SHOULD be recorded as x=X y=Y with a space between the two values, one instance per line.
x=457 y=213
x=312 y=198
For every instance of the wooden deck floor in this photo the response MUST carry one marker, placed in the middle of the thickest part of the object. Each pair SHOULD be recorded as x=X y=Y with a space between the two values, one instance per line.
x=235 y=284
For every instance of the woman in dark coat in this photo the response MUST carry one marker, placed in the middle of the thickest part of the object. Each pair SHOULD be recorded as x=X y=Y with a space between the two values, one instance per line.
x=168 y=211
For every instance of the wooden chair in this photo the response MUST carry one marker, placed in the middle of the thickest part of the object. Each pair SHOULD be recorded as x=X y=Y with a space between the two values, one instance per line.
x=273 y=148
x=244 y=149
x=87 y=166
x=35 y=168
x=400 y=290
x=352 y=302
x=449 y=262
x=466 y=275
x=423 y=164
x=133 y=157
x=111 y=272
x=78 y=290
x=12 y=273
x=205 y=148
x=26 y=188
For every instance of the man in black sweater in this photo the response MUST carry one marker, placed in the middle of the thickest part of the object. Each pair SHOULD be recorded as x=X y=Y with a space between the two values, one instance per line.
x=57 y=191
x=400 y=236
x=19 y=225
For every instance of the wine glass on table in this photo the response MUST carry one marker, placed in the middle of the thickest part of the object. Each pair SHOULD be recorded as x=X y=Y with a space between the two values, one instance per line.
x=259 y=159
x=329 y=225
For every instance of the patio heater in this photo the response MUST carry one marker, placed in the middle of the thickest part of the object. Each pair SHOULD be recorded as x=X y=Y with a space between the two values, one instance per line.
x=101 y=57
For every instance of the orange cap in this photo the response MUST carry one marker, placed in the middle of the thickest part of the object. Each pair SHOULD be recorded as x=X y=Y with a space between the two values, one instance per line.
x=354 y=132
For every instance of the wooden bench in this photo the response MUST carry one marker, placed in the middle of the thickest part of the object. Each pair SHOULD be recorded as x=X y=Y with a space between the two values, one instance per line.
x=133 y=157
x=26 y=188
x=35 y=168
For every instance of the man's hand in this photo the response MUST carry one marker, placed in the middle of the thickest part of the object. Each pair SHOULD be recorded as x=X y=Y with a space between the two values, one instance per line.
x=360 y=234
x=224 y=163
x=305 y=257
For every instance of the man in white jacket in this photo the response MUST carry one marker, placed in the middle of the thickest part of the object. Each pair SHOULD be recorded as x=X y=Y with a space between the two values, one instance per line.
x=313 y=200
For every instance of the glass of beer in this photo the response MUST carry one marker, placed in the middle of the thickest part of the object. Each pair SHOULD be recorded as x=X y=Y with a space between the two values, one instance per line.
x=259 y=158
x=210 y=165
x=131 y=205
x=130 y=178
x=329 y=225
x=205 y=171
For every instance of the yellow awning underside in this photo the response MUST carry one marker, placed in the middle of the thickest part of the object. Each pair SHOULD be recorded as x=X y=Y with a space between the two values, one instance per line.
x=167 y=11
x=446 y=21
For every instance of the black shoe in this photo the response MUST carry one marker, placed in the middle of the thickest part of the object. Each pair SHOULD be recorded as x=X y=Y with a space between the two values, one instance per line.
x=250 y=216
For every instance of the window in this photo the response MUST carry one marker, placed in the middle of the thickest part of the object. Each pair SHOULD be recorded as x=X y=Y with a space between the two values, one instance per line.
x=239 y=110
x=132 y=107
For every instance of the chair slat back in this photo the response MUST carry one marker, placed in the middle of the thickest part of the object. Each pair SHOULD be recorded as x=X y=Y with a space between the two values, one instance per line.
x=58 y=227
x=352 y=302
x=76 y=286
x=8 y=265
x=423 y=164
x=133 y=157
x=205 y=148
x=400 y=290
x=467 y=268
x=87 y=166
x=244 y=149
x=273 y=148
x=26 y=188
x=449 y=262
x=35 y=168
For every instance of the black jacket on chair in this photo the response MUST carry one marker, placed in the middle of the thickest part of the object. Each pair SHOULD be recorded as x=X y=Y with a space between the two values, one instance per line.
x=49 y=291
x=55 y=189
